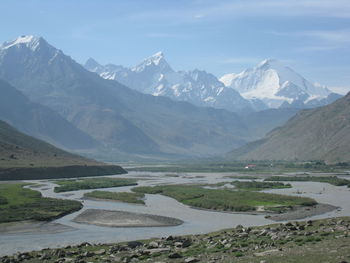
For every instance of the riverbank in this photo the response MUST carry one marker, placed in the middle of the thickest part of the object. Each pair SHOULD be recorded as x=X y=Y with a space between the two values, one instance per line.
x=24 y=227
x=303 y=212
x=316 y=241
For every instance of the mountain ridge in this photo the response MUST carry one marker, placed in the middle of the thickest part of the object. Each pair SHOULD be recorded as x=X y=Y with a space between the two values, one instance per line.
x=314 y=134
x=18 y=149
x=40 y=121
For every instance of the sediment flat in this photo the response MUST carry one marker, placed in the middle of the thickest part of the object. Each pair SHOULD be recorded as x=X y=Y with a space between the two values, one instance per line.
x=24 y=227
x=124 y=219
x=303 y=212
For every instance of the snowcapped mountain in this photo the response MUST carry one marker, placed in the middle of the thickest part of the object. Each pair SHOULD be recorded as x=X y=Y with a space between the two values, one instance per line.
x=155 y=76
x=123 y=121
x=277 y=86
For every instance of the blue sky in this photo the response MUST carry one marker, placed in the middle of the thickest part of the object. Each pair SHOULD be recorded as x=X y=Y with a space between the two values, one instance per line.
x=219 y=36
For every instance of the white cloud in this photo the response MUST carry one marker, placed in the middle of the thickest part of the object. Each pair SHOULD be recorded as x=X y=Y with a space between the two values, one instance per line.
x=324 y=39
x=322 y=8
x=335 y=36
x=195 y=11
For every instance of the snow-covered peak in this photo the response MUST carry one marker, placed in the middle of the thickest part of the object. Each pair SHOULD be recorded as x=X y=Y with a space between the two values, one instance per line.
x=227 y=79
x=31 y=42
x=157 y=60
x=274 y=83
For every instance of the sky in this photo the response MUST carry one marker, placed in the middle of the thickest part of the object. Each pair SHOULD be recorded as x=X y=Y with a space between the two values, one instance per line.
x=218 y=36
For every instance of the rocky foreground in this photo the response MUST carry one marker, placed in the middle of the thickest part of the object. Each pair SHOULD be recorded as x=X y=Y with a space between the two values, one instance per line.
x=312 y=241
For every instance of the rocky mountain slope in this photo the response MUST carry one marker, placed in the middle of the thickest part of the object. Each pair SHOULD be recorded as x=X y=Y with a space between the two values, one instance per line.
x=40 y=121
x=19 y=149
x=316 y=134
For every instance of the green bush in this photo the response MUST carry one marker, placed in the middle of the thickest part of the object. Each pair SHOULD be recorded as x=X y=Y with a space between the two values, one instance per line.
x=117 y=196
x=92 y=183
x=26 y=204
x=223 y=199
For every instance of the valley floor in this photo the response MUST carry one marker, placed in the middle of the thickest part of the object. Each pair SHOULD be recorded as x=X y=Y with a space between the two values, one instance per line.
x=68 y=232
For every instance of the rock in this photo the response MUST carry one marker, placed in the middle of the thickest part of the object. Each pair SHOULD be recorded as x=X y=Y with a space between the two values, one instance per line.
x=263 y=232
x=243 y=235
x=100 y=252
x=25 y=256
x=153 y=244
x=178 y=244
x=228 y=245
x=44 y=256
x=191 y=260
x=174 y=255
x=186 y=243
x=134 y=244
x=85 y=244
x=59 y=253
x=87 y=254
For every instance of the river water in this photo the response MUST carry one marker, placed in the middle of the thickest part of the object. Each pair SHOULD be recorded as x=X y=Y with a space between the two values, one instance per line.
x=195 y=221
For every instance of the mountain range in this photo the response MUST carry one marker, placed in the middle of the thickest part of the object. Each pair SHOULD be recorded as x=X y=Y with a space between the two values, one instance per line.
x=48 y=95
x=120 y=119
x=268 y=85
x=314 y=134
x=156 y=77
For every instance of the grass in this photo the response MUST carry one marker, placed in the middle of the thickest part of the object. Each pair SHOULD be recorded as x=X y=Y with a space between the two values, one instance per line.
x=134 y=198
x=257 y=186
x=334 y=180
x=26 y=204
x=33 y=173
x=92 y=183
x=226 y=200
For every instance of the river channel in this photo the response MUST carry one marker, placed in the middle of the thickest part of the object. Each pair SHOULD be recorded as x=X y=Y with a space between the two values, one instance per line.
x=196 y=221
